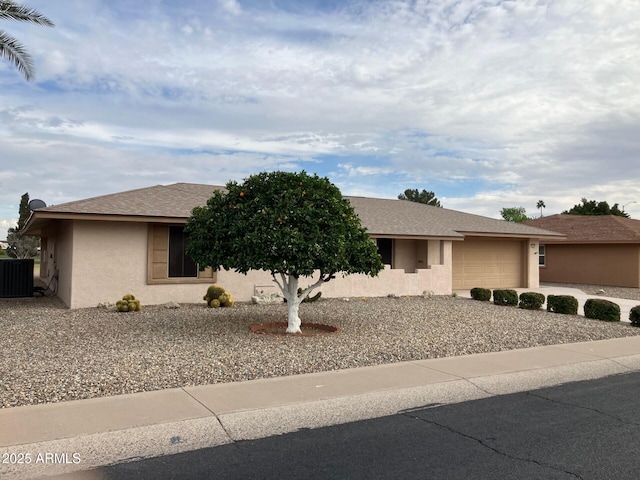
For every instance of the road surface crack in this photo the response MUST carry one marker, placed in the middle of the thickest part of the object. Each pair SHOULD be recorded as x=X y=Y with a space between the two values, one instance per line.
x=595 y=410
x=493 y=449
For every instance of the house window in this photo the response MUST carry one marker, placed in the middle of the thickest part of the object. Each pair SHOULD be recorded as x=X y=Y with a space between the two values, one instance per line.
x=542 y=256
x=180 y=265
x=167 y=262
x=385 y=249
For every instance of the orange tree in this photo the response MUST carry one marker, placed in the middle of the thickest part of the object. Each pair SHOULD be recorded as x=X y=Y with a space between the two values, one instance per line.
x=290 y=224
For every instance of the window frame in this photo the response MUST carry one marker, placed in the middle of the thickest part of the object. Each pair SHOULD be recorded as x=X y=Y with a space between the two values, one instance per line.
x=179 y=265
x=542 y=256
x=158 y=259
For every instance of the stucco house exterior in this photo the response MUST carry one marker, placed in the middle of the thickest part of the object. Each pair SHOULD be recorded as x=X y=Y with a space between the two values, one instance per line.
x=598 y=250
x=133 y=242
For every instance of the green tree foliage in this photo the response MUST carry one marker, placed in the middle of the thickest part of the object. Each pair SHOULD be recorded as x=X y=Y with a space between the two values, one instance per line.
x=540 y=205
x=21 y=246
x=23 y=211
x=290 y=224
x=413 y=195
x=12 y=49
x=514 y=214
x=592 y=207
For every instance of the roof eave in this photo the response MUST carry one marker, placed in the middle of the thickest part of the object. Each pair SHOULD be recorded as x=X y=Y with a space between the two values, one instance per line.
x=512 y=235
x=38 y=219
x=416 y=237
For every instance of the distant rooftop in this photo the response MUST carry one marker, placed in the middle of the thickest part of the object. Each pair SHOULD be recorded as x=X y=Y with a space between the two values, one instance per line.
x=591 y=228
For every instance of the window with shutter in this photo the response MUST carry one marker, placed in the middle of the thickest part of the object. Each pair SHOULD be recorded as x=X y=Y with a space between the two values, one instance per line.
x=167 y=261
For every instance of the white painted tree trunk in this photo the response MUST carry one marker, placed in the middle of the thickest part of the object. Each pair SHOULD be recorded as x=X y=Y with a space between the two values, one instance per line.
x=289 y=288
x=293 y=304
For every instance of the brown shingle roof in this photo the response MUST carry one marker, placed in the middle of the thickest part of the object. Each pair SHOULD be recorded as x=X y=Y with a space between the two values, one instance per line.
x=591 y=228
x=379 y=216
x=176 y=200
x=402 y=217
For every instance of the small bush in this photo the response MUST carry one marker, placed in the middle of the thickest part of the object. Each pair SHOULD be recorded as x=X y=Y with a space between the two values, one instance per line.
x=531 y=300
x=482 y=294
x=129 y=303
x=216 y=297
x=505 y=297
x=601 y=309
x=562 y=304
x=634 y=316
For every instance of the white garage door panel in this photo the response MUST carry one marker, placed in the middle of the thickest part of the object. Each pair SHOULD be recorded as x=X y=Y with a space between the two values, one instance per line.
x=489 y=263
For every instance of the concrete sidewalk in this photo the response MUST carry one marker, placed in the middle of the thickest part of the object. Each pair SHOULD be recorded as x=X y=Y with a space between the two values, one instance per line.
x=80 y=435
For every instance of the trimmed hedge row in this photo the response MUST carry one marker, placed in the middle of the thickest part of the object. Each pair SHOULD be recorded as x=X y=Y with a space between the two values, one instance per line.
x=595 y=308
x=528 y=300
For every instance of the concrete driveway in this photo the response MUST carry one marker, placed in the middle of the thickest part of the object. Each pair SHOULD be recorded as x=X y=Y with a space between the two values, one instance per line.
x=625 y=304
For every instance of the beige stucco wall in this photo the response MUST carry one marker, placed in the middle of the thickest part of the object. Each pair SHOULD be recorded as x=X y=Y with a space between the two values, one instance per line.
x=531 y=270
x=110 y=260
x=613 y=264
x=404 y=255
x=60 y=259
x=436 y=278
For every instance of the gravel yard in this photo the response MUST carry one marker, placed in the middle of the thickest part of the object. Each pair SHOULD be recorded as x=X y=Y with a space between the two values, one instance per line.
x=52 y=354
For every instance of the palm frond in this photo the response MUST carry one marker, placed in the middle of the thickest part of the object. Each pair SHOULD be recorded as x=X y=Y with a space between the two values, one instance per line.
x=11 y=11
x=13 y=51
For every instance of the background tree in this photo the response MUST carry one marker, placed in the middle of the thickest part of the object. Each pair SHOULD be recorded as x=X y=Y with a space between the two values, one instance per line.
x=10 y=48
x=428 y=198
x=591 y=207
x=540 y=205
x=514 y=214
x=21 y=246
x=290 y=224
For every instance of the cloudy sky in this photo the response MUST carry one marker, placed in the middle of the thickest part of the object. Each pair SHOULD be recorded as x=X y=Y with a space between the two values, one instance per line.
x=488 y=103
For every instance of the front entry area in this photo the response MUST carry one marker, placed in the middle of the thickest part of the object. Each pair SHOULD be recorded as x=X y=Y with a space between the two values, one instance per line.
x=487 y=262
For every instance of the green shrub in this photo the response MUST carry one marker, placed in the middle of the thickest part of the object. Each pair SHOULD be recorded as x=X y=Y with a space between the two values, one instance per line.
x=505 y=297
x=531 y=300
x=601 y=309
x=214 y=291
x=482 y=294
x=129 y=303
x=562 y=304
x=634 y=316
x=216 y=297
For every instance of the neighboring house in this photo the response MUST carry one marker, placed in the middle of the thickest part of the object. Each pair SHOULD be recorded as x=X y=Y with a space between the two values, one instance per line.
x=598 y=250
x=133 y=242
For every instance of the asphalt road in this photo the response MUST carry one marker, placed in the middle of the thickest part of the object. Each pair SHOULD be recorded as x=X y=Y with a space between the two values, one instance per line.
x=582 y=430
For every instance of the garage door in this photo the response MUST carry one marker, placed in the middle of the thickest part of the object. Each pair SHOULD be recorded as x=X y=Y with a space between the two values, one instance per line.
x=486 y=262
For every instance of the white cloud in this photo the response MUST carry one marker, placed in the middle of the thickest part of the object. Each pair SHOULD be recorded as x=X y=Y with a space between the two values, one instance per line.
x=514 y=100
x=231 y=6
